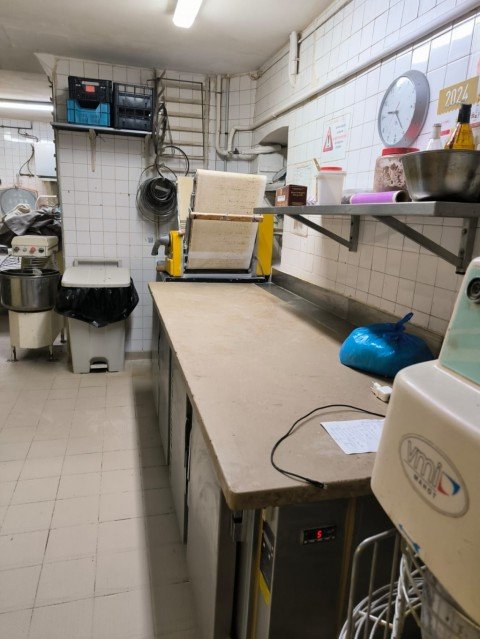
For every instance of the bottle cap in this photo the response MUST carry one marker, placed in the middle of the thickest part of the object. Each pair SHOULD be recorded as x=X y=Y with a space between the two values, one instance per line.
x=464 y=113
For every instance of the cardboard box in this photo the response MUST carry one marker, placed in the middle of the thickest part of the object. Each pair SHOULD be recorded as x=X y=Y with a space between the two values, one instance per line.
x=291 y=195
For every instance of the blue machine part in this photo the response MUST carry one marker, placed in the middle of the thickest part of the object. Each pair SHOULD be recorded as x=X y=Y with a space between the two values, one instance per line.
x=461 y=348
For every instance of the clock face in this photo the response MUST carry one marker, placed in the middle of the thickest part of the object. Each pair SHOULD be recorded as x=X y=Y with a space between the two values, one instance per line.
x=404 y=109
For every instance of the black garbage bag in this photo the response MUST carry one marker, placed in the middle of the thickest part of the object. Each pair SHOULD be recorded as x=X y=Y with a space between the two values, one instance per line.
x=96 y=306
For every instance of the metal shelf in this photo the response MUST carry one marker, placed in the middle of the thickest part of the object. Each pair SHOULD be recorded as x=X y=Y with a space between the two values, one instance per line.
x=414 y=209
x=66 y=126
x=385 y=213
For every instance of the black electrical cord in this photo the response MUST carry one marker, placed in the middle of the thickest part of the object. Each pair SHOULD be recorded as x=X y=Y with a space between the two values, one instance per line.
x=162 y=165
x=157 y=199
x=27 y=164
x=290 y=431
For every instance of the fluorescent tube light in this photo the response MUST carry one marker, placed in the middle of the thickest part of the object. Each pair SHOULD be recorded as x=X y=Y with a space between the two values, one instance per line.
x=186 y=12
x=26 y=106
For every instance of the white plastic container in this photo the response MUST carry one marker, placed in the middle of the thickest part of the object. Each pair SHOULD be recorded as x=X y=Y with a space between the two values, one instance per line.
x=330 y=185
x=93 y=347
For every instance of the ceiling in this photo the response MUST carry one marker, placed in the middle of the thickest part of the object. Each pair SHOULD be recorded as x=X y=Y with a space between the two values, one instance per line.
x=228 y=36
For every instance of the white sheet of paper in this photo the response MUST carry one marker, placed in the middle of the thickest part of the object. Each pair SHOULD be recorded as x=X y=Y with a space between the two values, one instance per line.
x=356 y=435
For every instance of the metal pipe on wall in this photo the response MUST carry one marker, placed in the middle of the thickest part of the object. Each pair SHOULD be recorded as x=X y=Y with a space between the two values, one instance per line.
x=434 y=25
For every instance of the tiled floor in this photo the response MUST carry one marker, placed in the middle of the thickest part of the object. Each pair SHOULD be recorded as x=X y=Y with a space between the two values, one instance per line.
x=89 y=544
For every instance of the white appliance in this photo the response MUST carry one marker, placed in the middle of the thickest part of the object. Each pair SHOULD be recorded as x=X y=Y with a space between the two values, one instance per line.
x=426 y=473
x=32 y=321
x=34 y=246
x=45 y=166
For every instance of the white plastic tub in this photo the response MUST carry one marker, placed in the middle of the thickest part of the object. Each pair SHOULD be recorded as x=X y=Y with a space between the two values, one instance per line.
x=330 y=185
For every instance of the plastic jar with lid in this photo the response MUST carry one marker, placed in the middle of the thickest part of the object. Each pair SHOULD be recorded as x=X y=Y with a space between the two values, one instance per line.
x=330 y=185
x=389 y=175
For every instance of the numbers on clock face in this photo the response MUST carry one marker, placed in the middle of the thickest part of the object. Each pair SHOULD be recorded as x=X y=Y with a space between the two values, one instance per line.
x=397 y=111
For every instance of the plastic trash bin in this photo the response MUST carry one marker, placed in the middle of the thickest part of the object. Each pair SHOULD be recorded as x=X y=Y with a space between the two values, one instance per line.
x=96 y=300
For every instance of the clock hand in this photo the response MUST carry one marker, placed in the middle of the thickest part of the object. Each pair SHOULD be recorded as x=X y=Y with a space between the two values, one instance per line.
x=396 y=113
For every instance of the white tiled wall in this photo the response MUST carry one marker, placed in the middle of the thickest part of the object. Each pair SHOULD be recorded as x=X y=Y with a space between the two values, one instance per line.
x=241 y=104
x=388 y=271
x=98 y=201
x=99 y=210
x=15 y=149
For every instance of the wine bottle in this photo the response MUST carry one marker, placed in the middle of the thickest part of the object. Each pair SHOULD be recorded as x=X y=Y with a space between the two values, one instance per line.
x=435 y=143
x=462 y=135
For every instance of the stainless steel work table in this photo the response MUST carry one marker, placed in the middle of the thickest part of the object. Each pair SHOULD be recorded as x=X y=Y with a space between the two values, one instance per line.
x=252 y=365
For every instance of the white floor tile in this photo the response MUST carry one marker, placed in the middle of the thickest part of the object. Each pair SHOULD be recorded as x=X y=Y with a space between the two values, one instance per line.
x=79 y=485
x=71 y=620
x=119 y=572
x=168 y=563
x=155 y=477
x=45 y=467
x=75 y=511
x=34 y=490
x=162 y=529
x=121 y=506
x=91 y=391
x=64 y=581
x=14 y=435
x=126 y=615
x=84 y=445
x=47 y=448
x=73 y=542
x=118 y=481
x=13 y=451
x=18 y=587
x=174 y=608
x=10 y=471
x=120 y=460
x=22 y=549
x=27 y=517
x=88 y=450
x=152 y=457
x=93 y=379
x=6 y=492
x=15 y=625
x=85 y=463
x=125 y=534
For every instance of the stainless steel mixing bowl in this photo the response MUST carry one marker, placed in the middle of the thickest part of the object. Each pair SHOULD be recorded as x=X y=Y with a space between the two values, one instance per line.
x=28 y=289
x=451 y=176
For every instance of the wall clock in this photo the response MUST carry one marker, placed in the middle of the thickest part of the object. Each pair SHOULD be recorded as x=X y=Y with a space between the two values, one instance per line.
x=403 y=109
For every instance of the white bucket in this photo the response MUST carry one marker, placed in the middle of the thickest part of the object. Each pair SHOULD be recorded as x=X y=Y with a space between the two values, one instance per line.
x=330 y=185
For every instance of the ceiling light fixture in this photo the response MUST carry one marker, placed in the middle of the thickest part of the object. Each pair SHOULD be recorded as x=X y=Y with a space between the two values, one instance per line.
x=186 y=12
x=25 y=105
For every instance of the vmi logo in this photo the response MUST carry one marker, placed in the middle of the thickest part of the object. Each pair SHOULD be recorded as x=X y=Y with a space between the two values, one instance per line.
x=433 y=476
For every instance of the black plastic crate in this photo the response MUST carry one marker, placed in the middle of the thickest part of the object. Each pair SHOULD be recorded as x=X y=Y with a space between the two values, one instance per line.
x=88 y=90
x=133 y=96
x=134 y=119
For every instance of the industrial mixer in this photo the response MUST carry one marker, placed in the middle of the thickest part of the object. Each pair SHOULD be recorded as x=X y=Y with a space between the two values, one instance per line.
x=426 y=471
x=29 y=293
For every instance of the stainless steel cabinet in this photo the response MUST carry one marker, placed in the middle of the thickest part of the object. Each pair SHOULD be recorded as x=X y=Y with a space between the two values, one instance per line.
x=155 y=371
x=211 y=551
x=164 y=358
x=180 y=424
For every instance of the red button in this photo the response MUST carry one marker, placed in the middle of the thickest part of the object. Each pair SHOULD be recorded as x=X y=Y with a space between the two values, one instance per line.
x=32 y=249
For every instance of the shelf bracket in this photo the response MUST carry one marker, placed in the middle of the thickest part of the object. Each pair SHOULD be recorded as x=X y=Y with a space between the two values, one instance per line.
x=467 y=239
x=351 y=243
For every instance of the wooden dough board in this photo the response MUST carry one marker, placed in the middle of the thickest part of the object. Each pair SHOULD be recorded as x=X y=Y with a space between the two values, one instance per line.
x=252 y=366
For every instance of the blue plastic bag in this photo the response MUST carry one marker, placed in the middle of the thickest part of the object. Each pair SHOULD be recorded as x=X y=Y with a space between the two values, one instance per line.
x=384 y=349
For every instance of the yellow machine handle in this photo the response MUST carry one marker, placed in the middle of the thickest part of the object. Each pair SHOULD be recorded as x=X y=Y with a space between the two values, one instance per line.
x=173 y=261
x=265 y=245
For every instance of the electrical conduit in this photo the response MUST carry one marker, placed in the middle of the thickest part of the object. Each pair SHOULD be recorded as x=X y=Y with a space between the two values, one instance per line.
x=430 y=27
